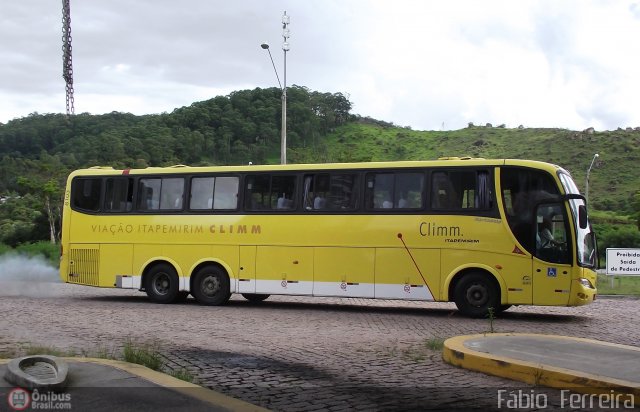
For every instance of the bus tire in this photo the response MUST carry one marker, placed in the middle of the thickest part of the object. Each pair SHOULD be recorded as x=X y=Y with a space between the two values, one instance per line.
x=475 y=293
x=211 y=286
x=255 y=297
x=161 y=283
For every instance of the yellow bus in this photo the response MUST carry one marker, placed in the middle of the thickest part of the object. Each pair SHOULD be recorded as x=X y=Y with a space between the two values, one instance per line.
x=480 y=233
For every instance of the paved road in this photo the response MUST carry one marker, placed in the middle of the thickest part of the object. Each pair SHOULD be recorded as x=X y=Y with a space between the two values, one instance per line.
x=297 y=353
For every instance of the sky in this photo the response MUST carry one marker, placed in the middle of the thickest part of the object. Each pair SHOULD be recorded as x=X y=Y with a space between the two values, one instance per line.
x=423 y=64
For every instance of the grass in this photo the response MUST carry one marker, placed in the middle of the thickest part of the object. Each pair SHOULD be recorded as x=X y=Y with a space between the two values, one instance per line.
x=145 y=355
x=183 y=375
x=149 y=356
x=47 y=350
x=435 y=344
x=491 y=317
x=415 y=353
x=618 y=285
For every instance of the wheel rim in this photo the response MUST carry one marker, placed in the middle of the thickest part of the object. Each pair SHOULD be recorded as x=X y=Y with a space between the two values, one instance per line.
x=477 y=295
x=161 y=283
x=210 y=285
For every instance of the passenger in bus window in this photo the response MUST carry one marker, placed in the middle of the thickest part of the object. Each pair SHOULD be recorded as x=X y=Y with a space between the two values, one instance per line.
x=284 y=203
x=403 y=203
x=546 y=237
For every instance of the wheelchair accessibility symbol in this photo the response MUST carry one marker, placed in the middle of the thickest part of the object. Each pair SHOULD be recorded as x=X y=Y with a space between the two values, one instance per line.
x=552 y=272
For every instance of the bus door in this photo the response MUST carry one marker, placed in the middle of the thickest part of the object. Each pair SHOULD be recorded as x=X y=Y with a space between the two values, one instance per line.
x=552 y=258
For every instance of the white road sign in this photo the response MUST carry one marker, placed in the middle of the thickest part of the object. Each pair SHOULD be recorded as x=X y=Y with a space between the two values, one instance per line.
x=623 y=262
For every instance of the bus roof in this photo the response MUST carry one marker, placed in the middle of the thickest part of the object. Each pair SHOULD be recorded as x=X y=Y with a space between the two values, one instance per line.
x=441 y=162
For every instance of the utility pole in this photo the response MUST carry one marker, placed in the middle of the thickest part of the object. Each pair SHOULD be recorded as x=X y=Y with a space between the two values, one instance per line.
x=285 y=48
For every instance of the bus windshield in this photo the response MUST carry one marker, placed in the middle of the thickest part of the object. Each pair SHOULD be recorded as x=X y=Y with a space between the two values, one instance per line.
x=585 y=238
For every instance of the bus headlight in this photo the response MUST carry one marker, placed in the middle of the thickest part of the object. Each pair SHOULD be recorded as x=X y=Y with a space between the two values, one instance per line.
x=586 y=283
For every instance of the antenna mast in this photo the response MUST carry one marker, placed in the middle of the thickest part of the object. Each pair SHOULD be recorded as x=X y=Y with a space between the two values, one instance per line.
x=67 y=65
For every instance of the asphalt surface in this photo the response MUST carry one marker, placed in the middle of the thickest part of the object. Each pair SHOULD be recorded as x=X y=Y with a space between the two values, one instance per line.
x=299 y=353
x=102 y=386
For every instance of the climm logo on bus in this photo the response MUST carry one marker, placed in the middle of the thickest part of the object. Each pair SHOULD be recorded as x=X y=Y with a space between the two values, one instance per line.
x=452 y=234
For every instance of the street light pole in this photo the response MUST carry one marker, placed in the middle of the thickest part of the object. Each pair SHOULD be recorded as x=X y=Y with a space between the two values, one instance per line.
x=586 y=192
x=285 y=49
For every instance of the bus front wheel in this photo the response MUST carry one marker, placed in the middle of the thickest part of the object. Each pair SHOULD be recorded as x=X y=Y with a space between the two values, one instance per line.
x=161 y=283
x=211 y=286
x=475 y=293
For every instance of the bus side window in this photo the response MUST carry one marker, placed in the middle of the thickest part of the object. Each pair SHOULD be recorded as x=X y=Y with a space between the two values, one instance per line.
x=219 y=193
x=342 y=191
x=460 y=190
x=330 y=192
x=148 y=194
x=226 y=193
x=321 y=191
x=257 y=192
x=265 y=192
x=85 y=193
x=118 y=194
x=283 y=189
x=380 y=190
x=408 y=190
x=395 y=190
x=202 y=193
x=171 y=193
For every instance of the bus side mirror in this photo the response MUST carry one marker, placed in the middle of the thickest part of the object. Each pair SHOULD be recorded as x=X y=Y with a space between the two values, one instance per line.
x=582 y=216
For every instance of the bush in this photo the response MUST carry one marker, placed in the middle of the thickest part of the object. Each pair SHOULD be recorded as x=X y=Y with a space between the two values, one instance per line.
x=616 y=236
x=5 y=249
x=45 y=249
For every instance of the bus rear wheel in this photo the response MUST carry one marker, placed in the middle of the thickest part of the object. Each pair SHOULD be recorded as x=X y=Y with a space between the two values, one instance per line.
x=475 y=293
x=211 y=286
x=255 y=297
x=161 y=283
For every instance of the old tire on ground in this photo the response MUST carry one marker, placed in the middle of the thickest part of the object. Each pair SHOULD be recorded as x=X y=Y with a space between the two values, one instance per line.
x=161 y=283
x=255 y=297
x=211 y=286
x=475 y=293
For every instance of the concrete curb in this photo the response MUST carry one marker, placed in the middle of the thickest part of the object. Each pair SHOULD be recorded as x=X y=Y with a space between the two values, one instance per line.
x=215 y=399
x=456 y=353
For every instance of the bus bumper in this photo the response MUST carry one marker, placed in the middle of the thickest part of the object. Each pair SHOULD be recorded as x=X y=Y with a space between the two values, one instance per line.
x=583 y=289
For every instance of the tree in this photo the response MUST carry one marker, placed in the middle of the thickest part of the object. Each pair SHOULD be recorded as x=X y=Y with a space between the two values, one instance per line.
x=635 y=204
x=46 y=183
